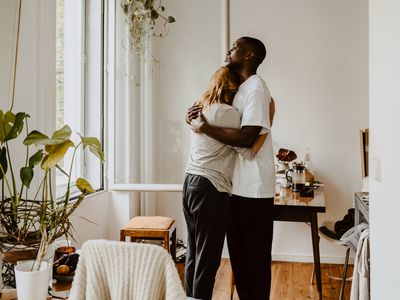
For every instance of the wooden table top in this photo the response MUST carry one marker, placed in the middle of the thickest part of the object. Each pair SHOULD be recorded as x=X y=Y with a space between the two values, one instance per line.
x=293 y=201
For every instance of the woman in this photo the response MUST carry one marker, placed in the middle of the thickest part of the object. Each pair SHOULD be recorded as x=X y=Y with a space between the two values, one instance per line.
x=208 y=185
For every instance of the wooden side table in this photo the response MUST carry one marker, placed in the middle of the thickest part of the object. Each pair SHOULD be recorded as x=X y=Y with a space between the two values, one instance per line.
x=152 y=228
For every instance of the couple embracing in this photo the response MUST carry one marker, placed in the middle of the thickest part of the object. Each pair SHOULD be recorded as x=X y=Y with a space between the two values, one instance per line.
x=230 y=177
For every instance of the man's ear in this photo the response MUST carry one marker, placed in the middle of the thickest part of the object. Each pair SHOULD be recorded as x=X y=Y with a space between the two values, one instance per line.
x=249 y=55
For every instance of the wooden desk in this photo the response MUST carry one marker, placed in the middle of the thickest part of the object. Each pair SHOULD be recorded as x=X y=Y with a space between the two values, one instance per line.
x=300 y=209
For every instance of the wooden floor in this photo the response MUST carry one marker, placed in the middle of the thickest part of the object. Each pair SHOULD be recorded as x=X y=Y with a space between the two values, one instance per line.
x=290 y=281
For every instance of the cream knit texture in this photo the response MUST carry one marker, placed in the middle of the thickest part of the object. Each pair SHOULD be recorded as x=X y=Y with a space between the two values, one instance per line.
x=109 y=270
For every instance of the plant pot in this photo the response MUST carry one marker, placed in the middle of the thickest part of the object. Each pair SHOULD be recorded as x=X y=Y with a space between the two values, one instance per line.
x=11 y=255
x=32 y=285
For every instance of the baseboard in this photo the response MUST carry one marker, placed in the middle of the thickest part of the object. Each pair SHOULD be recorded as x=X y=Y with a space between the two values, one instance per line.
x=302 y=258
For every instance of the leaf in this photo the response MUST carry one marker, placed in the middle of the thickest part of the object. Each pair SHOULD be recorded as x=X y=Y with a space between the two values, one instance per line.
x=9 y=117
x=36 y=138
x=84 y=186
x=94 y=146
x=97 y=151
x=125 y=8
x=148 y=4
x=171 y=19
x=2 y=129
x=153 y=14
x=36 y=158
x=61 y=135
x=17 y=126
x=54 y=157
x=87 y=141
x=53 y=148
x=26 y=174
x=3 y=162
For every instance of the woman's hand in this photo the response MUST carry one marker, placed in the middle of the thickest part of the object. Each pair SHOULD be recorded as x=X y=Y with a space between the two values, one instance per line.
x=271 y=111
x=193 y=112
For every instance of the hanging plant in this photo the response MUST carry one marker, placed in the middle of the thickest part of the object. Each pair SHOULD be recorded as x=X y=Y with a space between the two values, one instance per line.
x=141 y=17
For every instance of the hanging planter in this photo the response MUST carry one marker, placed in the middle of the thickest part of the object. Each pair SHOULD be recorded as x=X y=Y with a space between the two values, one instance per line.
x=141 y=17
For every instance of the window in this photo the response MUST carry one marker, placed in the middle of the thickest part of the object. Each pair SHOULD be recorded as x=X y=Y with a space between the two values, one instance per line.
x=79 y=83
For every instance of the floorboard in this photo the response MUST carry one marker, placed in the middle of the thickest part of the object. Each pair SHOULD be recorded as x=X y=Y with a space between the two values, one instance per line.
x=290 y=281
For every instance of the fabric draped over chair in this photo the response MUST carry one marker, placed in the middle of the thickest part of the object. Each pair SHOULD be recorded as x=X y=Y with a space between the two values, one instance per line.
x=117 y=270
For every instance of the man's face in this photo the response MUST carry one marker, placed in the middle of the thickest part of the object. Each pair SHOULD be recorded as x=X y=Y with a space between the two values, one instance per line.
x=235 y=57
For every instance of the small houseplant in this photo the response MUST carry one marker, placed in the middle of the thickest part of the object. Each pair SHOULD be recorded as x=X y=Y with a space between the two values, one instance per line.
x=141 y=17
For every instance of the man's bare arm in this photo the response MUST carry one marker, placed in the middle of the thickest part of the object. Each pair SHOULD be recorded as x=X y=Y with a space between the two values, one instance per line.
x=243 y=137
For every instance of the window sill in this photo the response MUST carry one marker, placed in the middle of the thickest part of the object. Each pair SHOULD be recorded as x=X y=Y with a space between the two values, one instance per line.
x=137 y=187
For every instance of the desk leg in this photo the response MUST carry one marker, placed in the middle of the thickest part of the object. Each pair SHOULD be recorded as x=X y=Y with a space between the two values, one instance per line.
x=315 y=242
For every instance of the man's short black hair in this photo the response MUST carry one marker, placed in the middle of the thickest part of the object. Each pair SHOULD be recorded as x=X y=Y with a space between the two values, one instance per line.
x=257 y=47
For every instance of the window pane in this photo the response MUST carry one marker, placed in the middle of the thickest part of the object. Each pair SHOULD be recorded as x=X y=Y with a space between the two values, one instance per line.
x=79 y=42
x=70 y=83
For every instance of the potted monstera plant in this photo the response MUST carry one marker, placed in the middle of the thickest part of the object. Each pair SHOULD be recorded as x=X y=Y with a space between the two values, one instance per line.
x=31 y=216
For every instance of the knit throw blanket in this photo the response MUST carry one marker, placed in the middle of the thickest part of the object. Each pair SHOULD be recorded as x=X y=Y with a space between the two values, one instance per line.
x=131 y=271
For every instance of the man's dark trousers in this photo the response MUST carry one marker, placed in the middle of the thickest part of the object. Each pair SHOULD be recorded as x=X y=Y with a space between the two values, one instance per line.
x=206 y=213
x=250 y=230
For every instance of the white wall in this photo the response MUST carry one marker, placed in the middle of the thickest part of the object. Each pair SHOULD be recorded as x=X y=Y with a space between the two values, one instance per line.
x=90 y=219
x=8 y=13
x=384 y=130
x=26 y=82
x=31 y=90
x=317 y=70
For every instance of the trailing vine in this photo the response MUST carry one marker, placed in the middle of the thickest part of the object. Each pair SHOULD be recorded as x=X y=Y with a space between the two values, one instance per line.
x=141 y=17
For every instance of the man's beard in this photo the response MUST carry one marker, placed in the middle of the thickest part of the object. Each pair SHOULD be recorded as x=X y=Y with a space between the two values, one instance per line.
x=233 y=66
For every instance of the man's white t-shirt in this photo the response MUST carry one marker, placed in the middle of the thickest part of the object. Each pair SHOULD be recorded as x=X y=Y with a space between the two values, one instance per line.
x=254 y=178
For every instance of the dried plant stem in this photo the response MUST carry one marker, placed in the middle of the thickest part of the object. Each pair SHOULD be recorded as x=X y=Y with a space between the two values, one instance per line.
x=16 y=54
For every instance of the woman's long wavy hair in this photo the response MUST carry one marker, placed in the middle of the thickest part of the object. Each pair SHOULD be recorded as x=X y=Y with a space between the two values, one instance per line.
x=222 y=88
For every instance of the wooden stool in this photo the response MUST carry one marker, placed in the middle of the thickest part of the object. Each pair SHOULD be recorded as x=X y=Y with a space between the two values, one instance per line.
x=152 y=228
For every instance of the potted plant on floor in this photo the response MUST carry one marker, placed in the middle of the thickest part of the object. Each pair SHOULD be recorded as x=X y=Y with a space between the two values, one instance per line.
x=31 y=216
x=33 y=220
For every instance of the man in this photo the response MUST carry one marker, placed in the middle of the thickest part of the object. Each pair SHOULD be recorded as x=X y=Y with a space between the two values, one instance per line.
x=250 y=225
